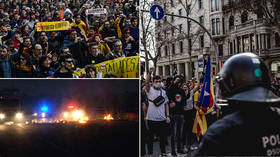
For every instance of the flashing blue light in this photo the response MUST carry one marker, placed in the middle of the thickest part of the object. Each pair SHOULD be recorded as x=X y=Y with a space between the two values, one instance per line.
x=44 y=108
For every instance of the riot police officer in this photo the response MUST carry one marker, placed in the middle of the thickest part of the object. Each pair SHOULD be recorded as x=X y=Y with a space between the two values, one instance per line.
x=253 y=128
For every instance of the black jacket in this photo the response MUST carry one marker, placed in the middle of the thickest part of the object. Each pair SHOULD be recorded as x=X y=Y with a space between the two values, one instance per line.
x=255 y=131
x=178 y=96
x=58 y=74
x=95 y=59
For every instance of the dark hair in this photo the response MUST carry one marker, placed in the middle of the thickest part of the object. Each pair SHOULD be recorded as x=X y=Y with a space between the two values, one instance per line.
x=133 y=18
x=27 y=58
x=90 y=67
x=116 y=40
x=27 y=37
x=157 y=77
x=41 y=60
x=9 y=41
x=93 y=44
x=76 y=15
x=62 y=58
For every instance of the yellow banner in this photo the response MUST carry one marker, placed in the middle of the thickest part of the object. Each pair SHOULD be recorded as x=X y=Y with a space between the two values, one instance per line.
x=127 y=67
x=53 y=26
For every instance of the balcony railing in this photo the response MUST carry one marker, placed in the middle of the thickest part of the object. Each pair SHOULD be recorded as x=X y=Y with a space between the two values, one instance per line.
x=248 y=24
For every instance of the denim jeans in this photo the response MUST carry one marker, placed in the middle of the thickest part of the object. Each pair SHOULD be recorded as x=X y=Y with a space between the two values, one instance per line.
x=177 y=122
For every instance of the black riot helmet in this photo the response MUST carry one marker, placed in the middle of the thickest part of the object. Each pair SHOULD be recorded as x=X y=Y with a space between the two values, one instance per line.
x=245 y=78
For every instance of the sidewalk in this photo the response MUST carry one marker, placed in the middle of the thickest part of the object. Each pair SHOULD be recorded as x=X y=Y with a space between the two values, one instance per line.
x=157 y=152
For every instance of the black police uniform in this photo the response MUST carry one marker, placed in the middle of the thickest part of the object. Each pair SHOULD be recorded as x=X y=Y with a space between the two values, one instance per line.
x=243 y=133
x=253 y=127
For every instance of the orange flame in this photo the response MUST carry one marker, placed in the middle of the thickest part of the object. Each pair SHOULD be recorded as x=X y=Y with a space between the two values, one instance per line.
x=108 y=117
x=82 y=121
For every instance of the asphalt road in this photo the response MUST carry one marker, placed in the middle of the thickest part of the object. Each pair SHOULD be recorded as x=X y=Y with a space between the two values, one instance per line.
x=95 y=139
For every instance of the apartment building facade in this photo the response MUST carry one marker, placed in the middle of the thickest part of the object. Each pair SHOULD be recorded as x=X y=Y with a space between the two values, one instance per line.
x=233 y=31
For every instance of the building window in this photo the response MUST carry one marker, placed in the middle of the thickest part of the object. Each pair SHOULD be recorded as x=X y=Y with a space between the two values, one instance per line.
x=166 y=50
x=172 y=3
x=217 y=5
x=190 y=44
x=200 y=4
x=201 y=20
x=173 y=49
x=180 y=28
x=231 y=48
x=213 y=27
x=214 y=5
x=259 y=14
x=263 y=41
x=223 y=23
x=180 y=12
x=252 y=41
x=277 y=40
x=188 y=8
x=181 y=47
x=193 y=67
x=221 y=51
x=245 y=43
x=231 y=22
x=165 y=19
x=159 y=51
x=268 y=41
x=244 y=17
x=172 y=17
x=234 y=46
x=172 y=31
x=201 y=41
x=257 y=40
x=218 y=26
x=189 y=24
x=165 y=34
x=238 y=44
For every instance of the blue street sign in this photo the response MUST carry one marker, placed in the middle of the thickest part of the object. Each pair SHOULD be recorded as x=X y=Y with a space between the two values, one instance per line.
x=157 y=12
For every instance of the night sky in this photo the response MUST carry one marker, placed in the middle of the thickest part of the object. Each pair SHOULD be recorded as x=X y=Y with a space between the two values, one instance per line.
x=113 y=95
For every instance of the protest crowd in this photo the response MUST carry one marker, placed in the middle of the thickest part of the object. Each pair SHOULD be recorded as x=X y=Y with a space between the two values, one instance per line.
x=181 y=97
x=80 y=35
x=173 y=124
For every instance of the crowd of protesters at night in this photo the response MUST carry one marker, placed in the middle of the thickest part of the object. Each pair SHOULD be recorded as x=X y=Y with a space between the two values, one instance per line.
x=91 y=39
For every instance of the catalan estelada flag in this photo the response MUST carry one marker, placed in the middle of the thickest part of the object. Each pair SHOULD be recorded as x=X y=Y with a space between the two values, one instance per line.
x=81 y=27
x=205 y=103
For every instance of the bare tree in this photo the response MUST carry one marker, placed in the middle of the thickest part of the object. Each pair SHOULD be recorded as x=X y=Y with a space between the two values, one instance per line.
x=192 y=32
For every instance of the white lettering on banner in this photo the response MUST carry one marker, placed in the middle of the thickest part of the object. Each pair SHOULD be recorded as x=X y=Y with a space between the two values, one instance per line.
x=97 y=11
x=271 y=140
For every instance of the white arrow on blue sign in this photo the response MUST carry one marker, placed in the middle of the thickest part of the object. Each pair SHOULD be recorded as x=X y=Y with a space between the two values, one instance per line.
x=157 y=12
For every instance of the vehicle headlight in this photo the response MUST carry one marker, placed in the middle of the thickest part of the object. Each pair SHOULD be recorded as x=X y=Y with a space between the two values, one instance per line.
x=2 y=116
x=19 y=115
